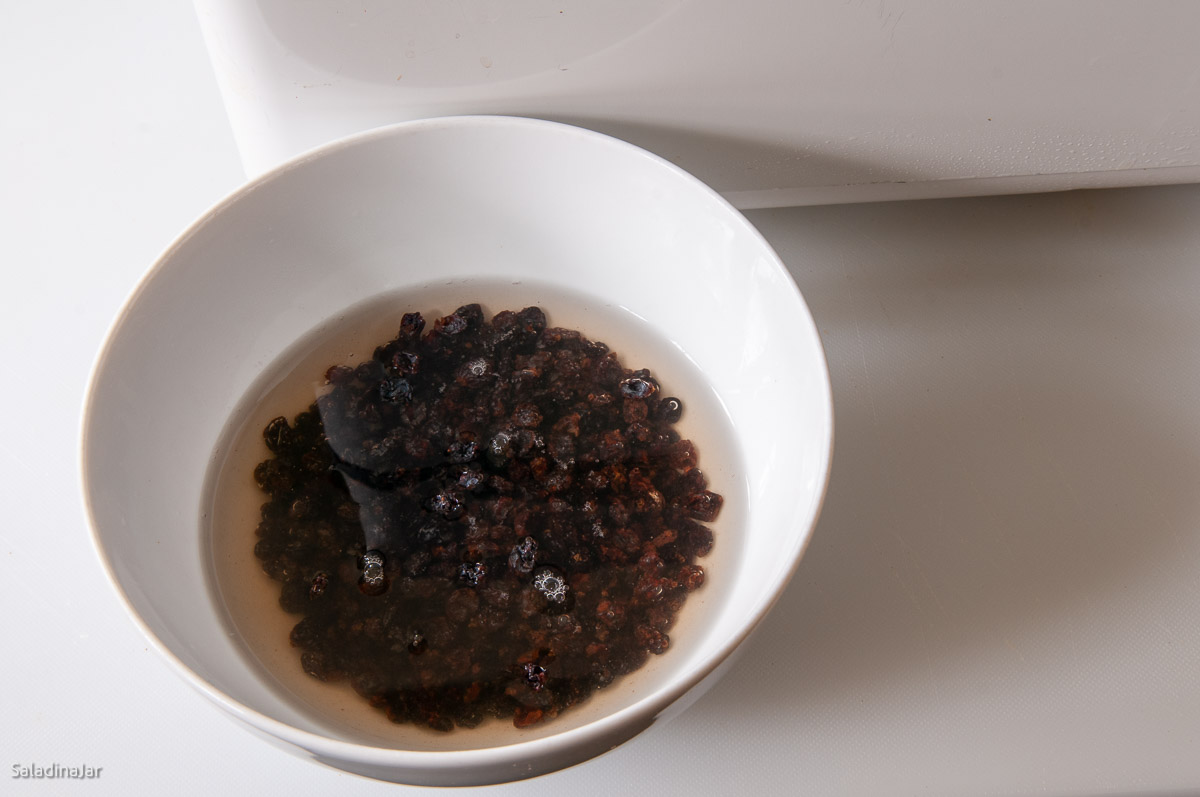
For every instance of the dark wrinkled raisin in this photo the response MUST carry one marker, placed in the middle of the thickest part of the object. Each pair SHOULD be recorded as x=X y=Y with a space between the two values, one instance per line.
x=473 y=313
x=459 y=321
x=682 y=455
x=405 y=363
x=316 y=665
x=396 y=389
x=527 y=415
x=526 y=716
x=462 y=451
x=272 y=478
x=472 y=574
x=700 y=539
x=278 y=435
x=470 y=479
x=523 y=557
x=411 y=325
x=430 y=534
x=485 y=519
x=705 y=506
x=611 y=613
x=638 y=386
x=634 y=411
x=499 y=449
x=533 y=320
x=338 y=374
x=535 y=676
x=652 y=640
x=447 y=505
x=669 y=410
x=691 y=576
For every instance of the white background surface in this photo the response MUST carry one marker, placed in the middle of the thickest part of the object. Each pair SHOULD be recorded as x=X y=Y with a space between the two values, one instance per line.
x=1002 y=596
x=772 y=103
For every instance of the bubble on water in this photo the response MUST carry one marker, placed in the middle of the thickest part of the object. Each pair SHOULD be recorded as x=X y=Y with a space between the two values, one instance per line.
x=551 y=584
x=373 y=581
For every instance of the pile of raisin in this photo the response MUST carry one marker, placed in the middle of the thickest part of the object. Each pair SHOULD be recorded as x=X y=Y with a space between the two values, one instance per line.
x=486 y=519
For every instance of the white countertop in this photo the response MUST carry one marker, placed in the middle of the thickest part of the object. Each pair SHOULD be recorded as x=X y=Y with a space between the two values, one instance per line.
x=772 y=104
x=1002 y=595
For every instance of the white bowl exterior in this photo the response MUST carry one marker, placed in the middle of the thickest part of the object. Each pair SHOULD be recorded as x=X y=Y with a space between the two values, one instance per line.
x=467 y=197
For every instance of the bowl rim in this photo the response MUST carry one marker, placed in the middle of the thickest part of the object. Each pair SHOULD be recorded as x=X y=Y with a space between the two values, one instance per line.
x=644 y=710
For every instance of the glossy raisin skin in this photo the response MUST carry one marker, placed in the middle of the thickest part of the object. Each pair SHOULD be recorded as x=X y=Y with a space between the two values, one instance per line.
x=487 y=519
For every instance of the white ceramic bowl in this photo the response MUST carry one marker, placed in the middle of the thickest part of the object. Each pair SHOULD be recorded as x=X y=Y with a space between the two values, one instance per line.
x=461 y=202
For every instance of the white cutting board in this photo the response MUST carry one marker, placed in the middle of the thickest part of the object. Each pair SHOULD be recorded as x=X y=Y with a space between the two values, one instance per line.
x=771 y=102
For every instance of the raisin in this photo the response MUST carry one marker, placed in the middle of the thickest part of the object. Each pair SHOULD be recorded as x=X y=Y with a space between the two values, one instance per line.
x=271 y=477
x=691 y=577
x=705 y=506
x=339 y=374
x=535 y=676
x=411 y=325
x=638 y=386
x=447 y=505
x=669 y=410
x=682 y=455
x=470 y=479
x=405 y=363
x=610 y=613
x=472 y=573
x=499 y=449
x=526 y=716
x=634 y=411
x=462 y=451
x=527 y=416
x=523 y=557
x=530 y=519
x=316 y=665
x=460 y=321
x=533 y=320
x=278 y=435
x=652 y=640
x=395 y=390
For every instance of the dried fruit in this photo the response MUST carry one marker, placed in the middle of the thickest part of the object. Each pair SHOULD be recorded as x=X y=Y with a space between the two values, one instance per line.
x=473 y=573
x=669 y=410
x=638 y=386
x=535 y=676
x=485 y=519
x=277 y=435
x=523 y=557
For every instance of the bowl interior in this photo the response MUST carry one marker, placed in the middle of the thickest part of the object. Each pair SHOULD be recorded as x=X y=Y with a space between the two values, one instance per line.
x=512 y=208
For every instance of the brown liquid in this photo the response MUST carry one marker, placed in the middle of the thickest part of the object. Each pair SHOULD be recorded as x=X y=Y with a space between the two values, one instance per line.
x=252 y=599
